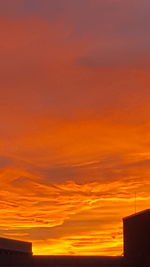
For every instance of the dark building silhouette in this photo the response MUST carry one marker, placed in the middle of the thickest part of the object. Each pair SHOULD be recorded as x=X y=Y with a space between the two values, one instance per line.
x=15 y=253
x=9 y=246
x=136 y=230
x=137 y=238
x=77 y=261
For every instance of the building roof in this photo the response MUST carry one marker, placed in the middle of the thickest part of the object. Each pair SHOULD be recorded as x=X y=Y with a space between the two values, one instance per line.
x=144 y=212
x=15 y=245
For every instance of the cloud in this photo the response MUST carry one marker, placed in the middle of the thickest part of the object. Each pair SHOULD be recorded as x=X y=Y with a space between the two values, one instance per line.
x=4 y=162
x=116 y=32
x=76 y=215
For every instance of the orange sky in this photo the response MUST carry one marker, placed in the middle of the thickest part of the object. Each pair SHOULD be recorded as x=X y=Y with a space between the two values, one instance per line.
x=74 y=122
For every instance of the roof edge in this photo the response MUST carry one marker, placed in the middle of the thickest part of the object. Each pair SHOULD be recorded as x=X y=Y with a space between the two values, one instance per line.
x=147 y=211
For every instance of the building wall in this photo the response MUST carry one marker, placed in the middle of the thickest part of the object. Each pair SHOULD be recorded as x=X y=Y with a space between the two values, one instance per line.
x=74 y=261
x=54 y=261
x=137 y=237
x=15 y=245
x=7 y=260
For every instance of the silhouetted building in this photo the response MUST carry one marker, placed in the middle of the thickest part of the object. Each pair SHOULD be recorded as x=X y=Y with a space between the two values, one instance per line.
x=15 y=253
x=137 y=238
x=77 y=261
x=9 y=246
x=136 y=250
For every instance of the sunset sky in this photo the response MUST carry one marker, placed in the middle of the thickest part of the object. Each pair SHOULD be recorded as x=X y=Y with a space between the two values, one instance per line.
x=74 y=122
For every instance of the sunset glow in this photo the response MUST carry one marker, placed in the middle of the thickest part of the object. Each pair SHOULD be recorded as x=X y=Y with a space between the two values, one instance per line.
x=74 y=122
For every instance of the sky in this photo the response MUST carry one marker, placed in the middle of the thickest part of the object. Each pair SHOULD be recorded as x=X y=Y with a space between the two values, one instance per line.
x=74 y=122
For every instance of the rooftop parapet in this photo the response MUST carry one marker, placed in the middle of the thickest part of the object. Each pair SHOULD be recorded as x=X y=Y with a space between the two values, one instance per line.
x=15 y=246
